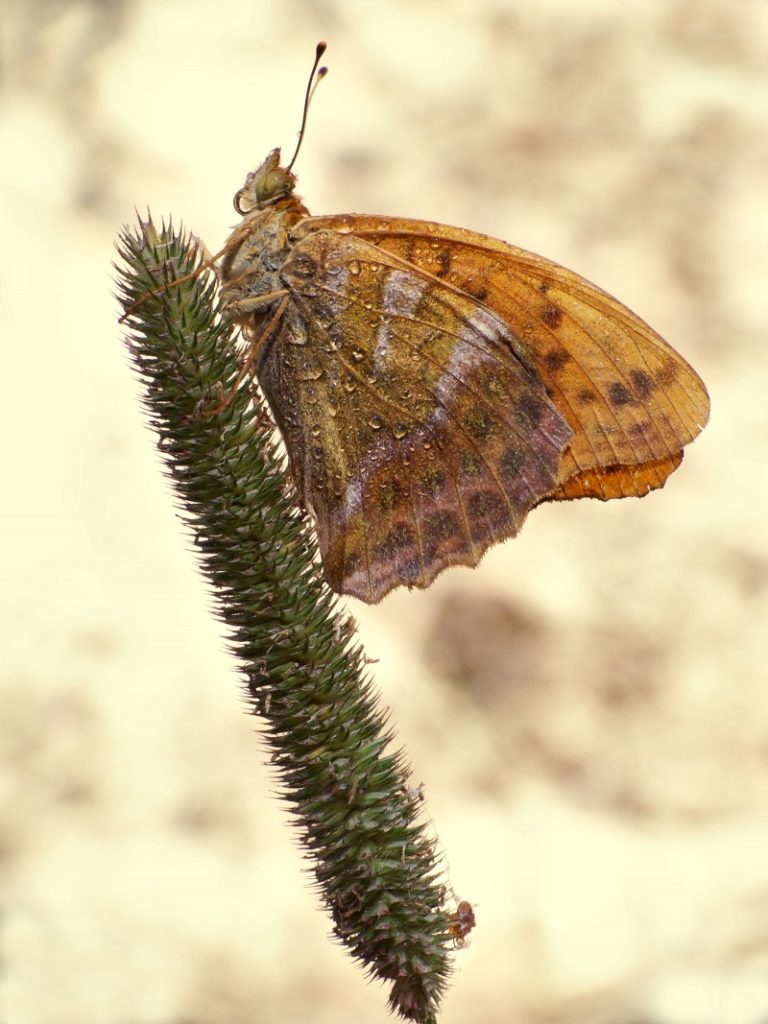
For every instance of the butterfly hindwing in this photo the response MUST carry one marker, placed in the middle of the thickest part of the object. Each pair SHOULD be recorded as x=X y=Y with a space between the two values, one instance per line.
x=416 y=435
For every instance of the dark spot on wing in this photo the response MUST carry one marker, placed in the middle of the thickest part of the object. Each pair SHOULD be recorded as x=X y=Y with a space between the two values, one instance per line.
x=442 y=525
x=444 y=259
x=529 y=411
x=409 y=569
x=586 y=396
x=443 y=530
x=512 y=461
x=470 y=463
x=478 y=423
x=556 y=359
x=488 y=505
x=642 y=382
x=669 y=372
x=618 y=394
x=640 y=429
x=491 y=384
x=399 y=537
x=551 y=315
x=433 y=479
x=352 y=560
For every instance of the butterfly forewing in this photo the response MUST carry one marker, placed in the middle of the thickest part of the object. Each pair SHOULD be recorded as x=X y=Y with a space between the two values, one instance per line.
x=423 y=438
x=630 y=399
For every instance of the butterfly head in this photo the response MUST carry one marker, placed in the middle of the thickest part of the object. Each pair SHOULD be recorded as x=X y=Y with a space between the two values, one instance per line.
x=265 y=186
x=270 y=183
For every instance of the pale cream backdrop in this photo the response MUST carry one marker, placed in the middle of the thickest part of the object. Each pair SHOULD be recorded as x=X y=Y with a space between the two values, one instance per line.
x=588 y=710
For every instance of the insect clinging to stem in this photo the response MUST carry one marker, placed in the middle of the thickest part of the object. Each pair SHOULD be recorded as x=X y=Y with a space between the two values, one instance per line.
x=432 y=385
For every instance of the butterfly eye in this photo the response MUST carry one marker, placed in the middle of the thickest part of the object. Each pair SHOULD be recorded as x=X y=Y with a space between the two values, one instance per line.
x=273 y=184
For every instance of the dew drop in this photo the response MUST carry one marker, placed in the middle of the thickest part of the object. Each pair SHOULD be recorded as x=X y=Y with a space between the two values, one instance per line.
x=399 y=430
x=357 y=354
x=354 y=267
x=375 y=422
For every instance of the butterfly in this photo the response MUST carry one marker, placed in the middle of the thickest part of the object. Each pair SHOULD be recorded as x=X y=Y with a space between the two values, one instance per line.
x=432 y=385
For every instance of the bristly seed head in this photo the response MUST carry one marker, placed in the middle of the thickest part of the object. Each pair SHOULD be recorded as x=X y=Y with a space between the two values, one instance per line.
x=264 y=186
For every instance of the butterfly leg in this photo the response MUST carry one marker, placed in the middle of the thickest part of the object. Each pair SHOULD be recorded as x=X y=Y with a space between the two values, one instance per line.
x=208 y=263
x=237 y=309
x=240 y=308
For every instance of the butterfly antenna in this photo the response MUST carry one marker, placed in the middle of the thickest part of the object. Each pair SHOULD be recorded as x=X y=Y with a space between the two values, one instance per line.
x=314 y=80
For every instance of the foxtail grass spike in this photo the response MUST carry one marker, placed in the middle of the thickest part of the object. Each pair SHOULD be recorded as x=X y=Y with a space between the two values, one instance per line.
x=373 y=861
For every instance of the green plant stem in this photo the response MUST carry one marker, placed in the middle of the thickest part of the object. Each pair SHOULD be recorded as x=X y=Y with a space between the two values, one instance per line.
x=375 y=866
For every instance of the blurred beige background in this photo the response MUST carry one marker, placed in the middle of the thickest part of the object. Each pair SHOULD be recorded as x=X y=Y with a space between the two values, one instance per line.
x=593 y=738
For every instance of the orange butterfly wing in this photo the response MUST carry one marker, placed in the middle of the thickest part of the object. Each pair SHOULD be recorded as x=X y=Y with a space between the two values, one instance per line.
x=631 y=400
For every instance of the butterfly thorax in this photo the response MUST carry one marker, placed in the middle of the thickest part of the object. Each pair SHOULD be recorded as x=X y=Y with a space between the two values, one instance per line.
x=259 y=246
